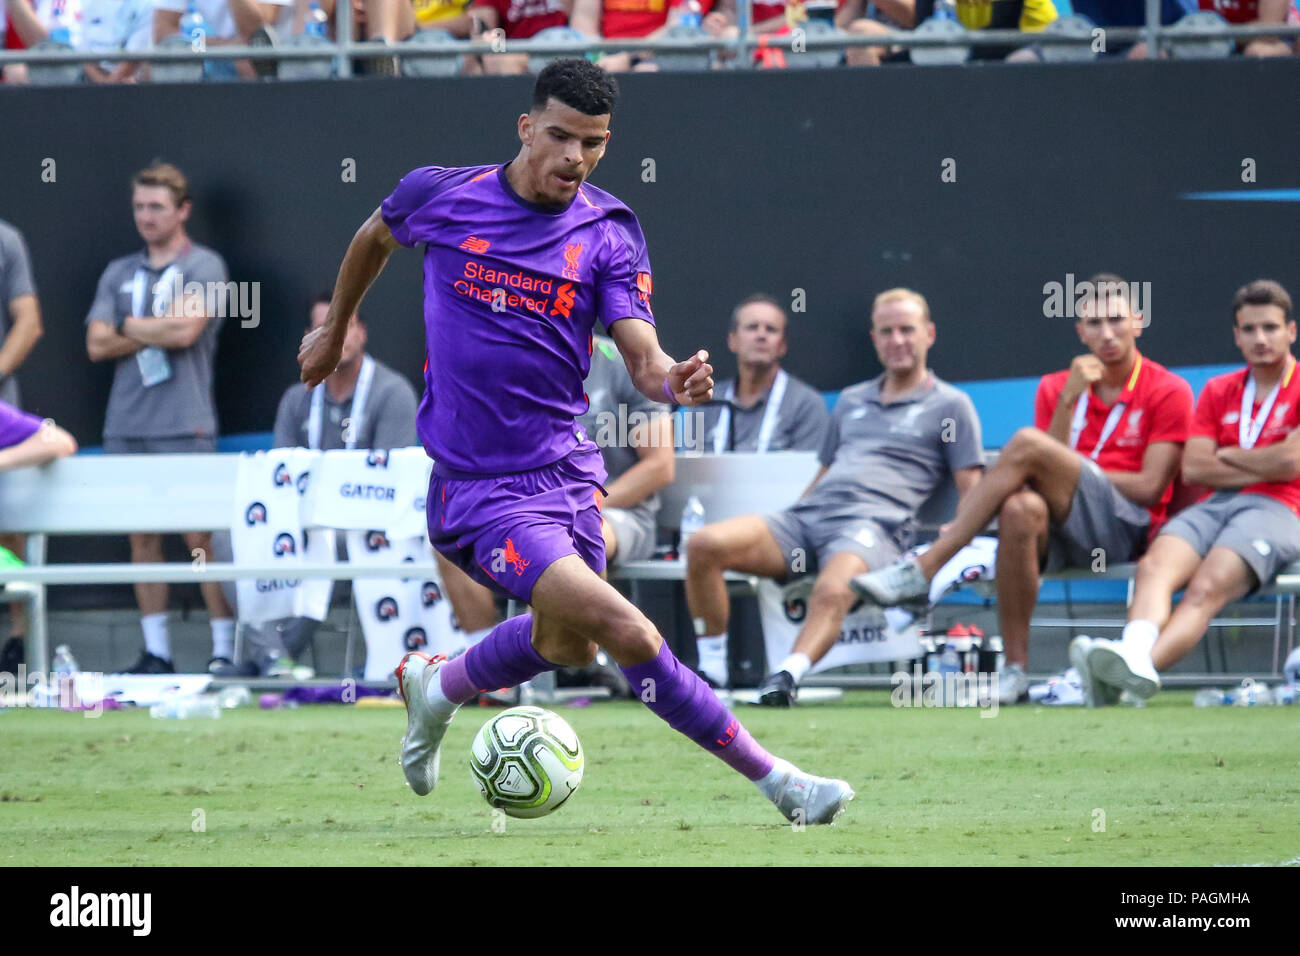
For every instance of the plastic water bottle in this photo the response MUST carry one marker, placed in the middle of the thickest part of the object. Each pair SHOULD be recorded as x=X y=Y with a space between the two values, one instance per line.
x=949 y=668
x=183 y=708
x=1252 y=694
x=64 y=668
x=194 y=28
x=317 y=23
x=1210 y=697
x=1284 y=695
x=59 y=32
x=236 y=695
x=692 y=521
x=692 y=15
x=945 y=9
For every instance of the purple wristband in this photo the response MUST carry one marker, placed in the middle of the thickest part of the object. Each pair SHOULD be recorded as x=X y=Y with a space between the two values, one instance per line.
x=669 y=392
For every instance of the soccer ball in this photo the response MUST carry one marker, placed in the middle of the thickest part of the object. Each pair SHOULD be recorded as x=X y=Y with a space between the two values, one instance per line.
x=526 y=761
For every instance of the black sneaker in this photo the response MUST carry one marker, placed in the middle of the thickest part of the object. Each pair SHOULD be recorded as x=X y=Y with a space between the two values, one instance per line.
x=14 y=653
x=152 y=664
x=778 y=690
x=225 y=667
x=713 y=685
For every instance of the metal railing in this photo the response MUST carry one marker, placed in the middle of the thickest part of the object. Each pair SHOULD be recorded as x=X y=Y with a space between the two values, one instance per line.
x=342 y=51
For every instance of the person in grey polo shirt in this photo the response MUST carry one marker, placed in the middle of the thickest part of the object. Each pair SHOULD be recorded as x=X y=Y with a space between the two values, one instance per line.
x=635 y=437
x=764 y=408
x=20 y=327
x=156 y=315
x=891 y=443
x=364 y=404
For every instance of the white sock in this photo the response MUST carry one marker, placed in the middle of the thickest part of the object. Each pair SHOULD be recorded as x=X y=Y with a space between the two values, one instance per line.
x=156 y=639
x=223 y=637
x=473 y=637
x=1140 y=635
x=796 y=665
x=770 y=786
x=713 y=656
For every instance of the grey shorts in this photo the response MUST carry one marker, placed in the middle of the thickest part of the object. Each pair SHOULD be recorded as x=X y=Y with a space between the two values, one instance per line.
x=634 y=534
x=1100 y=520
x=182 y=445
x=808 y=536
x=1262 y=532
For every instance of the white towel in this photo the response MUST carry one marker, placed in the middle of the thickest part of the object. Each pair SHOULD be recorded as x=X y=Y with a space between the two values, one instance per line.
x=266 y=525
x=364 y=490
x=397 y=616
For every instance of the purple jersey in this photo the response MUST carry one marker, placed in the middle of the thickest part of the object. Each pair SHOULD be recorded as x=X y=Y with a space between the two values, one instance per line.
x=16 y=425
x=512 y=291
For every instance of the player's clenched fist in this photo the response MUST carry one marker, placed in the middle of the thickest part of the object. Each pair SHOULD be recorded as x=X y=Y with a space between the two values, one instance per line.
x=1084 y=370
x=691 y=381
x=318 y=355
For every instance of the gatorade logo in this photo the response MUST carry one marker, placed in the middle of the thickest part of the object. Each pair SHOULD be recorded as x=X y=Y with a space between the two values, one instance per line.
x=386 y=609
x=430 y=594
x=256 y=514
x=564 y=297
x=414 y=639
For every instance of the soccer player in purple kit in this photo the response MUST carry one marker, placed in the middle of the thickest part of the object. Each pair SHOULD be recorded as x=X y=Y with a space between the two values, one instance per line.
x=520 y=260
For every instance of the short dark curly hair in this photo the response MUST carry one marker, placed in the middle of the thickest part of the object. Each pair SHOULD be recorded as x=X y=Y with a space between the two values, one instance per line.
x=576 y=83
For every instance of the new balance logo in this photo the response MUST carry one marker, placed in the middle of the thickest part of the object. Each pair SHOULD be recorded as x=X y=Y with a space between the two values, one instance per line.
x=475 y=245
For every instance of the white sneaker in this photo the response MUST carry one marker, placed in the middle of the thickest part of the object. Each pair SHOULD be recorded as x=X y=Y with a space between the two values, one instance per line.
x=425 y=725
x=901 y=584
x=1013 y=684
x=1096 y=693
x=804 y=798
x=1123 y=667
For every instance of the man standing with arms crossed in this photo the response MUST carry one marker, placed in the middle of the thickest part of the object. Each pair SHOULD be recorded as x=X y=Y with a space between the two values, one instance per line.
x=164 y=346
x=1245 y=444
x=520 y=261
x=1091 y=479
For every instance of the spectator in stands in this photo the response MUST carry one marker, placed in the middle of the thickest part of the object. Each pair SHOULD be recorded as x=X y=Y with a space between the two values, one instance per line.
x=1027 y=16
x=517 y=20
x=890 y=445
x=20 y=328
x=26 y=440
x=873 y=17
x=765 y=408
x=229 y=23
x=635 y=437
x=95 y=26
x=1088 y=483
x=162 y=337
x=1240 y=12
x=1245 y=445
x=630 y=19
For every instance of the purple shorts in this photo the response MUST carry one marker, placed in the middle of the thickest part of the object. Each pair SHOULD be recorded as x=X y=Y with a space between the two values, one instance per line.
x=506 y=530
x=16 y=425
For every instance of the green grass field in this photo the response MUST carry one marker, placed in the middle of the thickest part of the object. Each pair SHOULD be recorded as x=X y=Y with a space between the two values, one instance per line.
x=1176 y=786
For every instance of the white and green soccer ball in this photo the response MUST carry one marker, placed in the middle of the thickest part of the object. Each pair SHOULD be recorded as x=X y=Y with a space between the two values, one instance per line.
x=526 y=761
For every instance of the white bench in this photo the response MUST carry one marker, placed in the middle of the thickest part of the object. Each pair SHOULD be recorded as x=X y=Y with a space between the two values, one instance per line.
x=120 y=494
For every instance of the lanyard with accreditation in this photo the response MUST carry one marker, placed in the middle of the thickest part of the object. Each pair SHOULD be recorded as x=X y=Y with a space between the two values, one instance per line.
x=1112 y=420
x=1248 y=428
x=353 y=429
x=770 y=414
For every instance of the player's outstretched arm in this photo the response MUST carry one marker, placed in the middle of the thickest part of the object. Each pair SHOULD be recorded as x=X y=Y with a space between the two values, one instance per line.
x=318 y=355
x=691 y=381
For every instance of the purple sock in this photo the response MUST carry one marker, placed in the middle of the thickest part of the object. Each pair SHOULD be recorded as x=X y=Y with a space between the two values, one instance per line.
x=678 y=695
x=504 y=658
